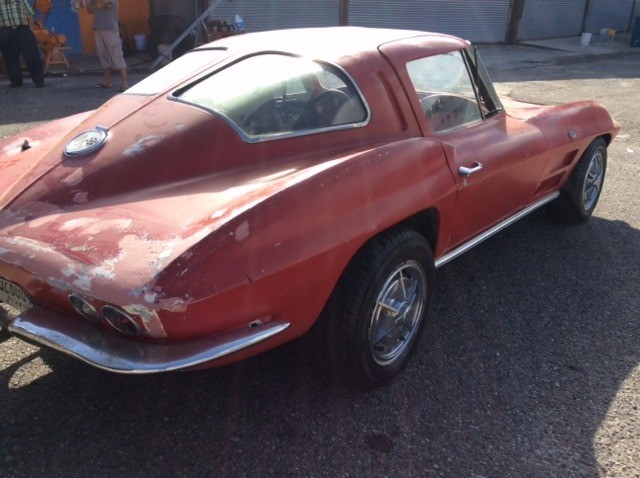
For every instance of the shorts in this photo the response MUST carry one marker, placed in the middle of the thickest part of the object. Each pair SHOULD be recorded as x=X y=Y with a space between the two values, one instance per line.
x=109 y=49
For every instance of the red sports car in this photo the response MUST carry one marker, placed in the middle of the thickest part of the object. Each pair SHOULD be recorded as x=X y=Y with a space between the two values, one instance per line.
x=273 y=184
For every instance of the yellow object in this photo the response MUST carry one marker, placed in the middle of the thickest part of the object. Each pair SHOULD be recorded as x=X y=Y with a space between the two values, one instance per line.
x=612 y=33
x=52 y=45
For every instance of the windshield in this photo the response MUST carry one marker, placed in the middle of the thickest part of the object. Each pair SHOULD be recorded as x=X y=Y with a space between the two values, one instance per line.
x=176 y=71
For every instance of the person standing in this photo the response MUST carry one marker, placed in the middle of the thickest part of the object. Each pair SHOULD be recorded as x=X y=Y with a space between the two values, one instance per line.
x=17 y=38
x=108 y=43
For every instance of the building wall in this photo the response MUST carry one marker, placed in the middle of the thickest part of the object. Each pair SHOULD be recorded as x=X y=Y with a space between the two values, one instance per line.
x=551 y=18
x=476 y=20
x=479 y=21
x=606 y=14
x=260 y=15
x=188 y=9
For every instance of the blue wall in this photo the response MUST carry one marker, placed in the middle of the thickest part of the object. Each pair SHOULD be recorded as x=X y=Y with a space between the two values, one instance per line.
x=64 y=20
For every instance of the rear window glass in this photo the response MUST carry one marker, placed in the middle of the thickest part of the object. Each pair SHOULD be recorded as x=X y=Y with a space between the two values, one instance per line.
x=273 y=95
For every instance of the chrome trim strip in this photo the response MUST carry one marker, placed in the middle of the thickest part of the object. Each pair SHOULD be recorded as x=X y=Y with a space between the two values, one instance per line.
x=122 y=355
x=495 y=229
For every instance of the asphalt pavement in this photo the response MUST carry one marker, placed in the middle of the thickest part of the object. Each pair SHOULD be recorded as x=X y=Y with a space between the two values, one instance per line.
x=529 y=366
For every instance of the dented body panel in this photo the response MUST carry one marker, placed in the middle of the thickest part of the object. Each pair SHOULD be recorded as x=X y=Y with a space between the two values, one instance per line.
x=217 y=247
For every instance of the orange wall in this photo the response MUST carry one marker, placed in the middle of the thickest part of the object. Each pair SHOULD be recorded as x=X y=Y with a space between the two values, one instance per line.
x=134 y=16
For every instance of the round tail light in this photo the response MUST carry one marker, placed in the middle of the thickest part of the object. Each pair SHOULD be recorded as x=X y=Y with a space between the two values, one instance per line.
x=120 y=320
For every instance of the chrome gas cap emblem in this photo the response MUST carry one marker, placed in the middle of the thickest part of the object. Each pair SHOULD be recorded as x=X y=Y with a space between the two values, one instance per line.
x=86 y=142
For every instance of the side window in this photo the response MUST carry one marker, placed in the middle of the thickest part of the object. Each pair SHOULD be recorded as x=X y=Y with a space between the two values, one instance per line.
x=445 y=91
x=272 y=95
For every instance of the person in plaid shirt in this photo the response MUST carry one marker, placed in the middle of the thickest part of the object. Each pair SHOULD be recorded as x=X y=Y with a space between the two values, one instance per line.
x=17 y=38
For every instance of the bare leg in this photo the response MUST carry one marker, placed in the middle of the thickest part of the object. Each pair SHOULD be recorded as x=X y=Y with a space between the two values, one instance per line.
x=107 y=81
x=124 y=81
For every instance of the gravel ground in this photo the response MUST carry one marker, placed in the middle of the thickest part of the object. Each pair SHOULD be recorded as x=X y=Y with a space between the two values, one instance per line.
x=529 y=366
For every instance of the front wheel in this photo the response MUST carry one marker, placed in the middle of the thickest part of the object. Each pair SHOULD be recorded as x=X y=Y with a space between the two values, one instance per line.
x=372 y=323
x=579 y=197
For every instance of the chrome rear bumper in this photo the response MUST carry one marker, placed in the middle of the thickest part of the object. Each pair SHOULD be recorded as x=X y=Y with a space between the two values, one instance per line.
x=117 y=354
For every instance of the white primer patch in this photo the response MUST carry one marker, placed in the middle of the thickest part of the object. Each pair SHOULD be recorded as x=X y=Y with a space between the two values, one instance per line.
x=150 y=319
x=81 y=197
x=16 y=147
x=83 y=282
x=219 y=213
x=77 y=223
x=93 y=226
x=31 y=244
x=242 y=231
x=42 y=220
x=74 y=178
x=143 y=143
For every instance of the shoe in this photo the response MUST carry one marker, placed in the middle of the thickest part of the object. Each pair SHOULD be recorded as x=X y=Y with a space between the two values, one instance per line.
x=102 y=85
x=40 y=85
x=15 y=85
x=122 y=89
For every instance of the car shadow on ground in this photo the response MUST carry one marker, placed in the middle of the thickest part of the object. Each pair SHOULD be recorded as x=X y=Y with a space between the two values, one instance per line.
x=532 y=336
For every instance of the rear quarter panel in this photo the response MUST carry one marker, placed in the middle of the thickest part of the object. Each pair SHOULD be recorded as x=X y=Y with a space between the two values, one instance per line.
x=283 y=257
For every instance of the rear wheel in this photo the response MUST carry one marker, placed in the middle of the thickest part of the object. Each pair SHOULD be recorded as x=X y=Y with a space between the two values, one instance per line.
x=4 y=323
x=372 y=323
x=580 y=195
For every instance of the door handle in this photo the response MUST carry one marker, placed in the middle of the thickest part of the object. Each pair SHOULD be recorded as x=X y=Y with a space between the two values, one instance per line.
x=466 y=172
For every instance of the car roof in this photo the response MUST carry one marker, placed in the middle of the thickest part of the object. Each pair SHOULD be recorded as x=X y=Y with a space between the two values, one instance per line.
x=333 y=43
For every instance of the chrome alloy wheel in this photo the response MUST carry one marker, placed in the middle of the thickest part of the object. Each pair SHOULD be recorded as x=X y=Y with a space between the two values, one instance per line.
x=593 y=181
x=396 y=315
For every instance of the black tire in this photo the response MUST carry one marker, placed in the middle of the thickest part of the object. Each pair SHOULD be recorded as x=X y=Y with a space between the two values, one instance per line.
x=373 y=321
x=4 y=322
x=579 y=196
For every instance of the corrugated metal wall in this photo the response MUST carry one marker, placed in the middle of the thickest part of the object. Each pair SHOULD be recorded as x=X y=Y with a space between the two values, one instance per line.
x=551 y=18
x=476 y=20
x=260 y=15
x=608 y=14
x=182 y=8
x=480 y=21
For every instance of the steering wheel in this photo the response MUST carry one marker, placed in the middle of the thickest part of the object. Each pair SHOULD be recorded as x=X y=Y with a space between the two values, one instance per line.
x=321 y=110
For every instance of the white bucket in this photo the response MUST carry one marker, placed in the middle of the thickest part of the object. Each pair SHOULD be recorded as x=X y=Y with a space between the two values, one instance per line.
x=141 y=41
x=585 y=39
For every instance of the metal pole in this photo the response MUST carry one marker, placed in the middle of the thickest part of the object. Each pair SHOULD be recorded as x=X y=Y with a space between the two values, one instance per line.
x=188 y=31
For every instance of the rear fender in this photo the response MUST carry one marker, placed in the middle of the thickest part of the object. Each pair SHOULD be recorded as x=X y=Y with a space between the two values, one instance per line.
x=282 y=258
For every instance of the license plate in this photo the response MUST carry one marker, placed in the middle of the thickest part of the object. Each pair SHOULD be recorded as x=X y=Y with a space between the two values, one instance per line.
x=14 y=295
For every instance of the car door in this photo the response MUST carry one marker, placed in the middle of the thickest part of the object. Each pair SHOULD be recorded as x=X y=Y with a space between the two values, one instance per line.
x=497 y=161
